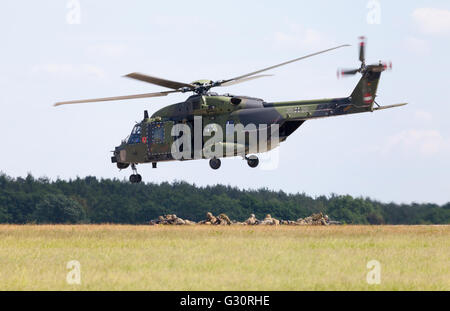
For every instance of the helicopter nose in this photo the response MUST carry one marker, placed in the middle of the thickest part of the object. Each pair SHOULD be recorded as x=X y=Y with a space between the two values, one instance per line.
x=116 y=154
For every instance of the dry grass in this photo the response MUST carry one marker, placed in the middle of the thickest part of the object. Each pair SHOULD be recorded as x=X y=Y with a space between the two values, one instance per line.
x=117 y=257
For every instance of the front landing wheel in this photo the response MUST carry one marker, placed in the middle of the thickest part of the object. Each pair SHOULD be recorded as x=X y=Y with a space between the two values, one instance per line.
x=135 y=178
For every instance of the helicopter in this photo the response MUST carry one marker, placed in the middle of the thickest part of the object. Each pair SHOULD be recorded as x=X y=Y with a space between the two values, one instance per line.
x=155 y=138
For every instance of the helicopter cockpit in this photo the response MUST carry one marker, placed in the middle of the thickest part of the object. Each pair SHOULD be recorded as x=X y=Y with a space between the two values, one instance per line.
x=135 y=136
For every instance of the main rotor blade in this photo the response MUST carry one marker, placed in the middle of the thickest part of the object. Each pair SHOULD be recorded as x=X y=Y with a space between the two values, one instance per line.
x=282 y=64
x=233 y=82
x=158 y=81
x=115 y=98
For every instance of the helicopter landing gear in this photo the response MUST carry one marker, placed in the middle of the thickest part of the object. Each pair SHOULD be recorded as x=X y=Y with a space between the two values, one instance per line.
x=252 y=161
x=135 y=178
x=214 y=163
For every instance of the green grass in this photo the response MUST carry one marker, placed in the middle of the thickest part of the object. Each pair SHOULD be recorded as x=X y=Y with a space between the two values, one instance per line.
x=224 y=258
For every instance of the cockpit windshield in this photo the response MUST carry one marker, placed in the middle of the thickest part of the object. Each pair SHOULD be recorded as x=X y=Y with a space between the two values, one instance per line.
x=135 y=136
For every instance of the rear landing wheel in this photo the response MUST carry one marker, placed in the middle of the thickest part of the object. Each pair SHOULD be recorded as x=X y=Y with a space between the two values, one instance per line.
x=252 y=161
x=214 y=163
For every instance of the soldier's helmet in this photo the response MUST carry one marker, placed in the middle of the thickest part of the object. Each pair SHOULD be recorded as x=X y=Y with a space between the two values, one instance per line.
x=174 y=216
x=209 y=214
x=268 y=216
x=252 y=215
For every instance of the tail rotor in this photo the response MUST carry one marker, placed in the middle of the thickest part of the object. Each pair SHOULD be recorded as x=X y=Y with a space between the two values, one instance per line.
x=380 y=67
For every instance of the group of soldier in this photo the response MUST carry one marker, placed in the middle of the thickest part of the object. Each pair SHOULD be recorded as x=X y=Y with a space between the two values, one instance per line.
x=171 y=219
x=223 y=219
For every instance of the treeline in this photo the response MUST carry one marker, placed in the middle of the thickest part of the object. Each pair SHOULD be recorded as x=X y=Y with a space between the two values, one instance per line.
x=90 y=200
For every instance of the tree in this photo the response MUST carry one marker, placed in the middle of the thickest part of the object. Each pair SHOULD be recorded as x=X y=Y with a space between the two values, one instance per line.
x=58 y=209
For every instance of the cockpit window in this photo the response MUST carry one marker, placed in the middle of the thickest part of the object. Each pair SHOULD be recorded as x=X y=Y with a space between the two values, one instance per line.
x=135 y=136
x=136 y=129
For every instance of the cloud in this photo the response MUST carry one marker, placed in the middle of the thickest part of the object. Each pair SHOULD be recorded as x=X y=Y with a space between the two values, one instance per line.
x=297 y=36
x=69 y=70
x=432 y=21
x=417 y=46
x=424 y=142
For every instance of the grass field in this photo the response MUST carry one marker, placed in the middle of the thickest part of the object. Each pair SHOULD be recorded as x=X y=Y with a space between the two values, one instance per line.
x=114 y=257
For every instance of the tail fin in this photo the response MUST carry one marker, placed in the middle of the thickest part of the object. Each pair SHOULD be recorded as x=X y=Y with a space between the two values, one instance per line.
x=364 y=94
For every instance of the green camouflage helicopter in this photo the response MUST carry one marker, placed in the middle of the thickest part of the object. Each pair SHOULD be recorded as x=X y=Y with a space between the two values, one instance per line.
x=155 y=139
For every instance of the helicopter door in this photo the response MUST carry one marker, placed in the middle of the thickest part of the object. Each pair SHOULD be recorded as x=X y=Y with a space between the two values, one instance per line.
x=160 y=139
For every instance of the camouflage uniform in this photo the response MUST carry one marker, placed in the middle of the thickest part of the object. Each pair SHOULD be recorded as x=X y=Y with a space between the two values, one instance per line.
x=223 y=219
x=210 y=219
x=252 y=220
x=179 y=221
x=269 y=220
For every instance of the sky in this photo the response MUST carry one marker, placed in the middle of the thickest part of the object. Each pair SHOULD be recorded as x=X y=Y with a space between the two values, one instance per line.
x=63 y=50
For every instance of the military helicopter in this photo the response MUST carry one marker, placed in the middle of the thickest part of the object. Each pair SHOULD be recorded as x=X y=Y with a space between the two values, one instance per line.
x=152 y=139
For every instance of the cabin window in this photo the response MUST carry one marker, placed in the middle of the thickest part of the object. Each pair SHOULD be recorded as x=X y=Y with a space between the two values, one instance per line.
x=158 y=133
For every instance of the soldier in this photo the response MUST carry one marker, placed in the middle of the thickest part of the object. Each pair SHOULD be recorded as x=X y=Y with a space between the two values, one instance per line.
x=224 y=220
x=309 y=220
x=301 y=222
x=268 y=220
x=275 y=222
x=317 y=217
x=211 y=218
x=169 y=219
x=179 y=221
x=251 y=220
